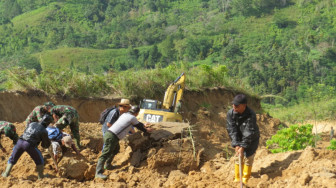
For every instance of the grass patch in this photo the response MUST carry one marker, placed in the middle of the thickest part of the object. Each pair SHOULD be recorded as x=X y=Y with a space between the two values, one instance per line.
x=33 y=18
x=82 y=58
x=321 y=110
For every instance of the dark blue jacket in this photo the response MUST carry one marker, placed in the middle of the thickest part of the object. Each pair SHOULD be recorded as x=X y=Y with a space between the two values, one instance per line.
x=243 y=130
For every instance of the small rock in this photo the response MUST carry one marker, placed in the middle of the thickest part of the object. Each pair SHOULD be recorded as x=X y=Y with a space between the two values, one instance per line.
x=304 y=179
x=90 y=172
x=192 y=173
x=151 y=152
x=123 y=157
x=264 y=177
x=136 y=158
x=132 y=183
x=207 y=168
x=325 y=174
x=58 y=182
x=131 y=169
x=263 y=184
x=76 y=170
x=114 y=177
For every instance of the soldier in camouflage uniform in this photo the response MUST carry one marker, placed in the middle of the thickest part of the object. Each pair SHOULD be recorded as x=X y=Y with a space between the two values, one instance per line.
x=38 y=112
x=66 y=115
x=8 y=129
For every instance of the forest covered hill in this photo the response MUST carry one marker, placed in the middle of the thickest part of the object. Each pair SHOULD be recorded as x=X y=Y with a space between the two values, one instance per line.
x=280 y=47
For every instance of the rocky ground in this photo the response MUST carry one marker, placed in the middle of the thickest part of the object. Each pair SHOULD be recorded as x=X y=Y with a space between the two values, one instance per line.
x=198 y=156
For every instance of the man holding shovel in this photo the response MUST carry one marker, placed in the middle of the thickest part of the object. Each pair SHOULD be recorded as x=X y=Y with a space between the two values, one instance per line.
x=244 y=133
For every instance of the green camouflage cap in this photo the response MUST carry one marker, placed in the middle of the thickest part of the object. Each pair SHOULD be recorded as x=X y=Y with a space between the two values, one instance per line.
x=49 y=103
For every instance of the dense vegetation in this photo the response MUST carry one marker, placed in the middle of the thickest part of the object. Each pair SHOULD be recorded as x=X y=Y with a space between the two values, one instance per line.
x=280 y=47
x=143 y=84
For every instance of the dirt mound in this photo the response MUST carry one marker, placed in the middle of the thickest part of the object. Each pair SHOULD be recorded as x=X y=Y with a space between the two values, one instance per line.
x=177 y=154
x=310 y=167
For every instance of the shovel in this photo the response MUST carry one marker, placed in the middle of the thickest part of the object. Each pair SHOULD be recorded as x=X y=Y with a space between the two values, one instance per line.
x=240 y=172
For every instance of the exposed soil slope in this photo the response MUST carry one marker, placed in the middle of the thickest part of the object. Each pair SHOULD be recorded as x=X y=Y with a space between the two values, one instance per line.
x=16 y=106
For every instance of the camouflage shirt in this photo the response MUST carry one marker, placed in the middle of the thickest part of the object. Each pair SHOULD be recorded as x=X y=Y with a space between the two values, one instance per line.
x=11 y=132
x=64 y=112
x=37 y=114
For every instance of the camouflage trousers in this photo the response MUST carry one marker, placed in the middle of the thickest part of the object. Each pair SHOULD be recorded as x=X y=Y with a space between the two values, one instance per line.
x=73 y=121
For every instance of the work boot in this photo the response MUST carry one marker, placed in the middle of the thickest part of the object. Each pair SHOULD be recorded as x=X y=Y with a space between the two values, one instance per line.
x=100 y=170
x=108 y=165
x=7 y=171
x=246 y=173
x=77 y=142
x=39 y=169
x=236 y=173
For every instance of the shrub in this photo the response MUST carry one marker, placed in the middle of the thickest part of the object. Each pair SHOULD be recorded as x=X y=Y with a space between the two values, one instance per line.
x=332 y=144
x=293 y=138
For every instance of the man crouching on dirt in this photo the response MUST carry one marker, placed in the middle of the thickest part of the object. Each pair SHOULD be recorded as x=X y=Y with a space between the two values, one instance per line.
x=28 y=142
x=118 y=131
x=244 y=133
x=9 y=130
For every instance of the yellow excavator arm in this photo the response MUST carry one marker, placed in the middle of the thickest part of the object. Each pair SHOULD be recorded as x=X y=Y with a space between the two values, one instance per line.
x=174 y=93
x=152 y=111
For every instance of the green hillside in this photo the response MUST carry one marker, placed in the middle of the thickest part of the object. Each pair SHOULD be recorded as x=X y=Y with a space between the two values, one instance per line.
x=92 y=60
x=280 y=47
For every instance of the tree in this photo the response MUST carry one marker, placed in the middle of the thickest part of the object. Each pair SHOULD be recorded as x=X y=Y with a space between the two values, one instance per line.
x=152 y=6
x=154 y=56
x=168 y=49
x=242 y=7
x=31 y=63
x=10 y=9
x=132 y=58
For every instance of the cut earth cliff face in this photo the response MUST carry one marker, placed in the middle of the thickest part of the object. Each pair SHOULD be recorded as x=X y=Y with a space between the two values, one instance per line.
x=16 y=106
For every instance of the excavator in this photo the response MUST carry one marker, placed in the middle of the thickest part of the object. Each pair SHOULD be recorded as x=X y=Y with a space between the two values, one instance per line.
x=154 y=111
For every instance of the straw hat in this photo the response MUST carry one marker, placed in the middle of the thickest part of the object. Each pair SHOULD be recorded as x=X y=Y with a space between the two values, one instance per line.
x=124 y=102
